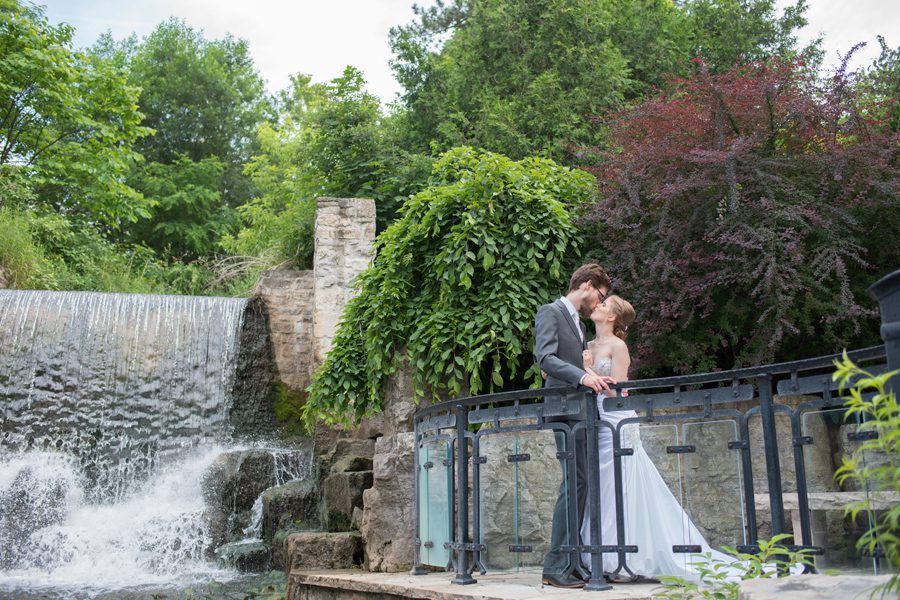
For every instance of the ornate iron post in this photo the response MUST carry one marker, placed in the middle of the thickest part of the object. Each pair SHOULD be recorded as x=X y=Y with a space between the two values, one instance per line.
x=887 y=292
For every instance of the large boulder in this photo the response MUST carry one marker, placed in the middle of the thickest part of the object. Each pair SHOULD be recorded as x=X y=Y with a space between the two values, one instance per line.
x=293 y=505
x=231 y=485
x=388 y=523
x=246 y=557
x=318 y=550
x=341 y=493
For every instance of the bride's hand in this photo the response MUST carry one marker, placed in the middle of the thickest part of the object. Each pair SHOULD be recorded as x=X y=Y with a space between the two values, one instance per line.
x=587 y=358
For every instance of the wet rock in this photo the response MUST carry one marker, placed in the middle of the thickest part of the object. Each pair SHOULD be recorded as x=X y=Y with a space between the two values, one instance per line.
x=252 y=557
x=231 y=485
x=294 y=504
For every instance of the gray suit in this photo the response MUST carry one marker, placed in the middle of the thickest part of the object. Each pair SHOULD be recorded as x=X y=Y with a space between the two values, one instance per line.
x=557 y=350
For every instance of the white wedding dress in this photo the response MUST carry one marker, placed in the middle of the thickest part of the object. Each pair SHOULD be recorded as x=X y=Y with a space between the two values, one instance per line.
x=654 y=519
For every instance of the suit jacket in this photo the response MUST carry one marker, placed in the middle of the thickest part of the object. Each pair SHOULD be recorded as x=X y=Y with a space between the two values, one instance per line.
x=557 y=346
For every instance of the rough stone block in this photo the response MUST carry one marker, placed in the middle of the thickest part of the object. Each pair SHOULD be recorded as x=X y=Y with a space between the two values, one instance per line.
x=245 y=557
x=294 y=504
x=341 y=492
x=388 y=509
x=317 y=550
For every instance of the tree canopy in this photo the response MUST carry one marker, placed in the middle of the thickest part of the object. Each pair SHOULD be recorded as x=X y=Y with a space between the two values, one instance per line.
x=526 y=78
x=745 y=212
x=67 y=121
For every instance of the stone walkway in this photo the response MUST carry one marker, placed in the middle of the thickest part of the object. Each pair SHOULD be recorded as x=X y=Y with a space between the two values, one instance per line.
x=522 y=585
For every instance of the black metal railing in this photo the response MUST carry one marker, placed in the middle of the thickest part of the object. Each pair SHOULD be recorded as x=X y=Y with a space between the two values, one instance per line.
x=458 y=443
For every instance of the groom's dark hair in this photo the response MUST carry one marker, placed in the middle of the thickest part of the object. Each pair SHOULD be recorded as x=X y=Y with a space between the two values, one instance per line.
x=591 y=272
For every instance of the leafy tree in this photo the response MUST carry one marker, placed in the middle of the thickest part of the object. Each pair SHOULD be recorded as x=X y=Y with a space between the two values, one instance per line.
x=188 y=219
x=525 y=78
x=68 y=121
x=330 y=140
x=514 y=77
x=204 y=100
x=455 y=284
x=744 y=213
x=727 y=33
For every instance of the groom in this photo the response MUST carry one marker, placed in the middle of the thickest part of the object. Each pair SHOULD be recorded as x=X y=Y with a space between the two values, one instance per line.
x=559 y=339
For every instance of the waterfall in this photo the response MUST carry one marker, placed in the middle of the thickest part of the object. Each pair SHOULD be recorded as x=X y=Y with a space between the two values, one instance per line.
x=113 y=407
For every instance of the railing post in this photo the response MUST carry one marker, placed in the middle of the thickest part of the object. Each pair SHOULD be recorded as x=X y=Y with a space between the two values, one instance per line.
x=887 y=292
x=463 y=577
x=770 y=441
x=418 y=567
x=596 y=582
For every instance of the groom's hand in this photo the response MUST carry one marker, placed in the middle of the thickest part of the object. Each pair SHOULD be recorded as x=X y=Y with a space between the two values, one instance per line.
x=598 y=383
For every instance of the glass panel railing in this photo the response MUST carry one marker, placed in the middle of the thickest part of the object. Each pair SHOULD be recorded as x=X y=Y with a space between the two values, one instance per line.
x=759 y=465
x=653 y=483
x=435 y=477
x=713 y=484
x=832 y=437
x=520 y=478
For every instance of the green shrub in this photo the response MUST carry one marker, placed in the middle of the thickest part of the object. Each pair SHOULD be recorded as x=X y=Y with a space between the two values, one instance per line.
x=876 y=406
x=721 y=580
x=455 y=284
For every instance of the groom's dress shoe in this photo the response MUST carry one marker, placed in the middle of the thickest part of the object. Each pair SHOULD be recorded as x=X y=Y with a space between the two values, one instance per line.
x=562 y=581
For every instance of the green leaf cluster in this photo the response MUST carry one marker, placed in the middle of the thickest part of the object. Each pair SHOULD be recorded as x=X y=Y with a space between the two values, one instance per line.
x=69 y=120
x=454 y=285
x=330 y=139
x=873 y=402
x=45 y=250
x=720 y=579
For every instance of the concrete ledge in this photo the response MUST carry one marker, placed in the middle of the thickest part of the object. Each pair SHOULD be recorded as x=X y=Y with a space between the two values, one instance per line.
x=812 y=587
x=363 y=585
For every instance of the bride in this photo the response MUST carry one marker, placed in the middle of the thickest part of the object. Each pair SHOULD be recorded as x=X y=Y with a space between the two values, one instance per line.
x=654 y=520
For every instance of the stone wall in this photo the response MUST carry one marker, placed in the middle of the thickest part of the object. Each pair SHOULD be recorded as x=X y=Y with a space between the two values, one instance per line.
x=288 y=296
x=345 y=230
x=304 y=306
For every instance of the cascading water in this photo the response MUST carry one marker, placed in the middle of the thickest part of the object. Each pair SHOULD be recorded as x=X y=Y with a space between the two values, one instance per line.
x=114 y=408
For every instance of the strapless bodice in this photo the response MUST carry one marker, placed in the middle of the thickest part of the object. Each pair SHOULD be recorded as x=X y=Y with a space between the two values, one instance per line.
x=630 y=433
x=603 y=366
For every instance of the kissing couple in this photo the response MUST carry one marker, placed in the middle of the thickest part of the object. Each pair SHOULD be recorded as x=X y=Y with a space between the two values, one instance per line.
x=654 y=519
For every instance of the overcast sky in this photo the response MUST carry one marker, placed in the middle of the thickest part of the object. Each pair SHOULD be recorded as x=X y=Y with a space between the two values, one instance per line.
x=321 y=37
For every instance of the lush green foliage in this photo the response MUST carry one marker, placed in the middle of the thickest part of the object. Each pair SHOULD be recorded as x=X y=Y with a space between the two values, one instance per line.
x=189 y=217
x=519 y=78
x=745 y=213
x=69 y=121
x=330 y=140
x=720 y=580
x=47 y=251
x=873 y=403
x=526 y=78
x=203 y=100
x=455 y=284
x=728 y=33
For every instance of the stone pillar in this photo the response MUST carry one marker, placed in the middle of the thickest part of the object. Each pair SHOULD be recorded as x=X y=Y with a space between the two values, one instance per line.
x=345 y=231
x=288 y=296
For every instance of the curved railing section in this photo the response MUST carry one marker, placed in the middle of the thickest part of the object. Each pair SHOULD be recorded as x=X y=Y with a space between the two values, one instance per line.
x=738 y=449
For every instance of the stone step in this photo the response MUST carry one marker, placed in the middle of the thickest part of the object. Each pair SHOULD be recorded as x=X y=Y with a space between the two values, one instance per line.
x=506 y=585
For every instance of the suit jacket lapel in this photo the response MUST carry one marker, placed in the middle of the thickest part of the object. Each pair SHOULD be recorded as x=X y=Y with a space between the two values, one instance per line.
x=565 y=312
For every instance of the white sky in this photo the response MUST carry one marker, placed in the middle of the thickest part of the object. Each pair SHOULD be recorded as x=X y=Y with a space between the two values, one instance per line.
x=321 y=37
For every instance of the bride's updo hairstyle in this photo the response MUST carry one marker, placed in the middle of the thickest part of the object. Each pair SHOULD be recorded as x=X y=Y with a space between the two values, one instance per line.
x=624 y=314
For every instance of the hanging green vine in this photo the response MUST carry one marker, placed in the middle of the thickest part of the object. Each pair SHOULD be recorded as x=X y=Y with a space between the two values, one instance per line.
x=455 y=284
